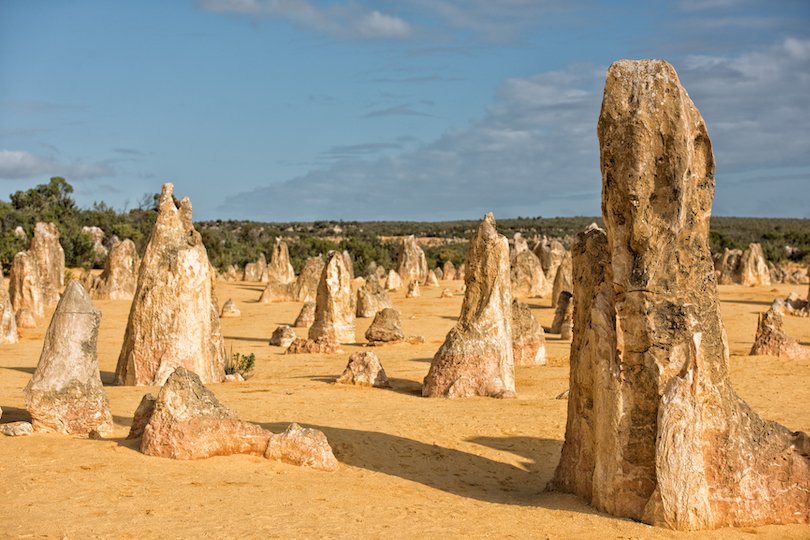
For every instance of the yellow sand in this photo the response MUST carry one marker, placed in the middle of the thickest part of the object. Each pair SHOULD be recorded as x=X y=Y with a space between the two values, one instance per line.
x=410 y=467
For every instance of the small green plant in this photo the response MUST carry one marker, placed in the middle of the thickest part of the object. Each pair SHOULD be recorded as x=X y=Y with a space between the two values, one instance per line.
x=240 y=363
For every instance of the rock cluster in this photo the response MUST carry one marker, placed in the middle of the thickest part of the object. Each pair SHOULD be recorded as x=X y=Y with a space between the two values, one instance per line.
x=187 y=421
x=174 y=319
x=655 y=431
x=476 y=357
x=747 y=267
x=322 y=345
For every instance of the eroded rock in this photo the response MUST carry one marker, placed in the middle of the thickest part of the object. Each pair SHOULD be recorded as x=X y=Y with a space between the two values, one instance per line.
x=771 y=338
x=322 y=345
x=8 y=322
x=563 y=281
x=527 y=275
x=754 y=270
x=25 y=291
x=371 y=298
x=229 y=310
x=528 y=338
x=280 y=269
x=476 y=357
x=283 y=336
x=306 y=316
x=411 y=262
x=303 y=447
x=119 y=279
x=364 y=369
x=65 y=394
x=174 y=319
x=334 y=310
x=386 y=327
x=49 y=258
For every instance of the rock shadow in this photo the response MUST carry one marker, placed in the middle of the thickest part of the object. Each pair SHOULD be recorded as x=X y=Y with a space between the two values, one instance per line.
x=14 y=414
x=454 y=471
x=400 y=386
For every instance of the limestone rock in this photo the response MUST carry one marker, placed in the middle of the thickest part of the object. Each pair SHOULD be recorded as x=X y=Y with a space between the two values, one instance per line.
x=438 y=272
x=25 y=319
x=385 y=327
x=119 y=279
x=334 y=310
x=432 y=280
x=25 y=290
x=174 y=319
x=189 y=422
x=728 y=267
x=88 y=280
x=449 y=270
x=793 y=305
x=229 y=310
x=411 y=262
x=304 y=447
x=364 y=369
x=527 y=275
x=231 y=273
x=413 y=290
x=393 y=282
x=256 y=271
x=65 y=394
x=655 y=431
x=280 y=270
x=753 y=267
x=97 y=237
x=564 y=312
x=461 y=272
x=322 y=345
x=551 y=254
x=142 y=416
x=49 y=258
x=283 y=336
x=347 y=260
x=528 y=338
x=520 y=244
x=476 y=357
x=16 y=429
x=563 y=281
x=446 y=293
x=306 y=286
x=771 y=339
x=8 y=323
x=306 y=316
x=371 y=298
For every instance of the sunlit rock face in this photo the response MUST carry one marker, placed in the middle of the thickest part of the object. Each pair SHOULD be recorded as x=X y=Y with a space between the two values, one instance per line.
x=334 y=308
x=174 y=319
x=655 y=431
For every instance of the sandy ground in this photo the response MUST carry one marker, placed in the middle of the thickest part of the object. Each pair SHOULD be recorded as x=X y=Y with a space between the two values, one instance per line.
x=410 y=467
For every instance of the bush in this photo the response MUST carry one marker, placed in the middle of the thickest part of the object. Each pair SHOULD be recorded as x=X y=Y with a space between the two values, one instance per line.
x=240 y=363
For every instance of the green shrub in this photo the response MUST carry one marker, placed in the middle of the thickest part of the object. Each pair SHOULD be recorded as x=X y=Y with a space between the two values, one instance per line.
x=240 y=363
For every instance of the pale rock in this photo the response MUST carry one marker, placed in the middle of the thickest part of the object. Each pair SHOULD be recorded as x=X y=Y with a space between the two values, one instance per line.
x=229 y=310
x=303 y=447
x=364 y=369
x=280 y=269
x=119 y=279
x=322 y=345
x=563 y=313
x=174 y=319
x=413 y=290
x=386 y=327
x=25 y=319
x=449 y=271
x=771 y=338
x=25 y=291
x=476 y=357
x=411 y=262
x=8 y=322
x=393 y=281
x=283 y=336
x=49 y=258
x=306 y=316
x=528 y=338
x=65 y=394
x=563 y=281
x=16 y=429
x=371 y=298
x=334 y=309
x=753 y=267
x=527 y=275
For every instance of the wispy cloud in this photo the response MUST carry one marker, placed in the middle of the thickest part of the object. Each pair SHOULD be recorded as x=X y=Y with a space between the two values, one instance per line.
x=359 y=150
x=346 y=21
x=405 y=109
x=18 y=165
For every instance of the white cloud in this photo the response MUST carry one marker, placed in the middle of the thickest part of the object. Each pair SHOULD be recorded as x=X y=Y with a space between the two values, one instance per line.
x=18 y=165
x=535 y=151
x=347 y=21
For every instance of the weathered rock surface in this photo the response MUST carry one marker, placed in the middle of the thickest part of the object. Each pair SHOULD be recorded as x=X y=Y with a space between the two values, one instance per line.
x=25 y=291
x=386 y=327
x=347 y=260
x=229 y=310
x=364 y=369
x=728 y=267
x=49 y=258
x=119 y=279
x=16 y=429
x=528 y=338
x=256 y=271
x=283 y=336
x=520 y=244
x=753 y=267
x=551 y=253
x=446 y=293
x=771 y=338
x=303 y=447
x=174 y=319
x=438 y=272
x=563 y=281
x=334 y=310
x=189 y=422
x=142 y=416
x=564 y=312
x=413 y=290
x=306 y=286
x=99 y=249
x=392 y=281
x=306 y=316
x=411 y=262
x=280 y=269
x=655 y=431
x=8 y=322
x=322 y=345
x=527 y=275
x=371 y=298
x=461 y=272
x=432 y=280
x=449 y=270
x=476 y=357
x=65 y=394
x=25 y=319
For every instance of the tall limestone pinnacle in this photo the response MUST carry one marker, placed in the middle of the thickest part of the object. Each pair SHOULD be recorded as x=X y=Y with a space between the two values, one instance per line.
x=65 y=394
x=174 y=319
x=476 y=358
x=655 y=431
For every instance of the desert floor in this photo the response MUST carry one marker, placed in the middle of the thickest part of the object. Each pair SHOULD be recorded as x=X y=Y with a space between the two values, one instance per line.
x=410 y=466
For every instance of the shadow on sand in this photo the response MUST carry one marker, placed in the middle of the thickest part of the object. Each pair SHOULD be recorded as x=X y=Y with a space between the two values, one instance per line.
x=107 y=377
x=14 y=414
x=400 y=386
x=454 y=471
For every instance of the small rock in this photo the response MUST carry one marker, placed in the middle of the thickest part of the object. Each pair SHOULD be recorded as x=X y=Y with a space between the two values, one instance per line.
x=16 y=429
x=364 y=369
x=283 y=336
x=305 y=447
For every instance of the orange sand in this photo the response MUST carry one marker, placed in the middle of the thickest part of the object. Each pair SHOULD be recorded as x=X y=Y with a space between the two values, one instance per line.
x=410 y=467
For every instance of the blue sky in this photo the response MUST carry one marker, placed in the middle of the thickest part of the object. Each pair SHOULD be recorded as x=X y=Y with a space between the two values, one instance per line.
x=279 y=110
